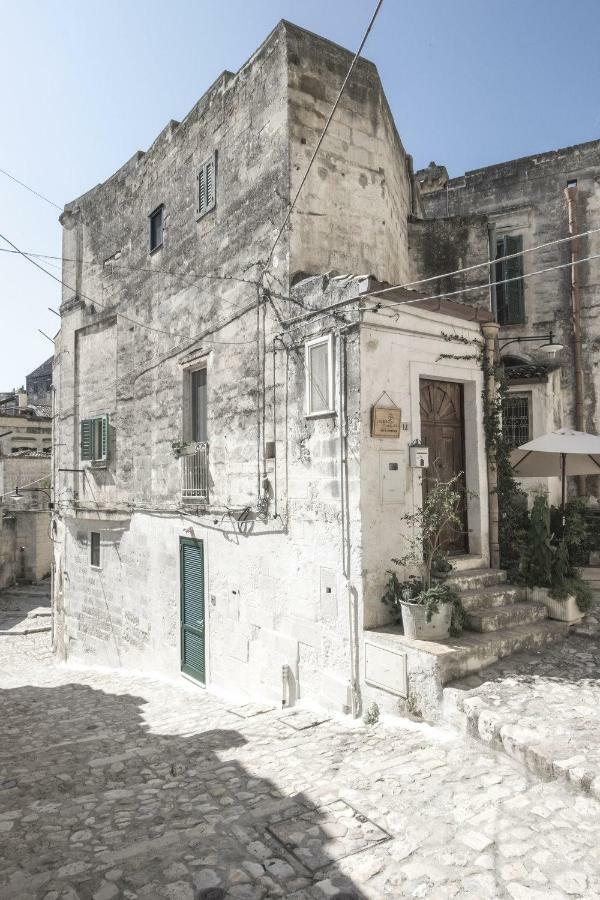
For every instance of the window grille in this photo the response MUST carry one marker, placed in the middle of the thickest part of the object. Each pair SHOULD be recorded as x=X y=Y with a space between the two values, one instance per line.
x=515 y=421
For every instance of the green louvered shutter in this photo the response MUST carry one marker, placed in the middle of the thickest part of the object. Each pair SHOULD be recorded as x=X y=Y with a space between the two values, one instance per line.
x=513 y=290
x=86 y=439
x=207 y=190
x=211 y=194
x=193 y=660
x=103 y=455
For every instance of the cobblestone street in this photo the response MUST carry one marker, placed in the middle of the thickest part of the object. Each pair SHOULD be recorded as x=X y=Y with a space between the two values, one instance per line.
x=118 y=786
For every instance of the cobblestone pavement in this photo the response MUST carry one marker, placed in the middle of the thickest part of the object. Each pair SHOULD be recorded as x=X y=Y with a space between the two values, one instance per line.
x=542 y=707
x=25 y=609
x=118 y=786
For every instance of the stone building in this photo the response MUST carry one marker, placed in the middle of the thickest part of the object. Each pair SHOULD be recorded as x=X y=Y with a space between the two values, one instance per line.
x=25 y=480
x=501 y=210
x=236 y=401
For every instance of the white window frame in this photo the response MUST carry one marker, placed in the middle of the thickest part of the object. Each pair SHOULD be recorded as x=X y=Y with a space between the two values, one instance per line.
x=325 y=339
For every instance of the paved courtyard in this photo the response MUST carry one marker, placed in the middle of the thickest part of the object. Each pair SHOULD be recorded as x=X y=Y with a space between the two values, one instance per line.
x=116 y=786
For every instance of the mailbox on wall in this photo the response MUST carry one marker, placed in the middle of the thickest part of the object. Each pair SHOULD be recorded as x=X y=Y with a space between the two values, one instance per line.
x=419 y=457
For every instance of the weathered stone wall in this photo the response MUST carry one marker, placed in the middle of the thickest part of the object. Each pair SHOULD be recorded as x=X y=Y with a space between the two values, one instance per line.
x=352 y=214
x=8 y=549
x=276 y=589
x=447 y=245
x=526 y=196
x=34 y=547
x=25 y=433
x=24 y=471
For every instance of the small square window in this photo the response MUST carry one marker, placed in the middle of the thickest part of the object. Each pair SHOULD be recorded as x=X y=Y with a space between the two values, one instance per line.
x=319 y=376
x=156 y=228
x=95 y=549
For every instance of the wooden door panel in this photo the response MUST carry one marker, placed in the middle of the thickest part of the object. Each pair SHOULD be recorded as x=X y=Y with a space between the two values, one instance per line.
x=442 y=430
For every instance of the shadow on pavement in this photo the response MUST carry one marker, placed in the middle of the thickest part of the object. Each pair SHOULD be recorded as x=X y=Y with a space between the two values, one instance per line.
x=94 y=804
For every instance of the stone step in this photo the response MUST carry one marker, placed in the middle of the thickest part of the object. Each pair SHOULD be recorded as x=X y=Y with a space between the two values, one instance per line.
x=467 y=562
x=473 y=651
x=495 y=618
x=488 y=597
x=477 y=578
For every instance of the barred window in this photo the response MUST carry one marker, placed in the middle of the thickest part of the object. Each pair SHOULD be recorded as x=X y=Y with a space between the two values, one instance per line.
x=515 y=420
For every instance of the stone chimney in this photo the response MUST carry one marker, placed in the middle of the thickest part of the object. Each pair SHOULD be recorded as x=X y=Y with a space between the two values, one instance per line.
x=433 y=178
x=22 y=398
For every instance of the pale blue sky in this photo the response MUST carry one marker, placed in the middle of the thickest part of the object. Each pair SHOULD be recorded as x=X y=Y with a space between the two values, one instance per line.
x=86 y=83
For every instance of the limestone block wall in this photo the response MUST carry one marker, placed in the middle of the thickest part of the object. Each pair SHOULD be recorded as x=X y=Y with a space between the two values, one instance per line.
x=353 y=212
x=33 y=544
x=22 y=471
x=526 y=196
x=8 y=550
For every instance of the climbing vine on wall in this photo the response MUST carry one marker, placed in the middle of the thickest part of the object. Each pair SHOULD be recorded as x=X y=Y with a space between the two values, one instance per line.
x=512 y=501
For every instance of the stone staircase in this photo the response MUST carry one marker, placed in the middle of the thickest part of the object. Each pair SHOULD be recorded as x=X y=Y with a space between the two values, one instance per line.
x=498 y=623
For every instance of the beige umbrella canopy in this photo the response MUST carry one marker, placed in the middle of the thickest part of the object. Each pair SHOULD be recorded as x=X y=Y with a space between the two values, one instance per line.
x=559 y=453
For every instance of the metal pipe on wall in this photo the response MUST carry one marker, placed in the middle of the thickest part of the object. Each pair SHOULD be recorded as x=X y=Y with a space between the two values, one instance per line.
x=571 y=197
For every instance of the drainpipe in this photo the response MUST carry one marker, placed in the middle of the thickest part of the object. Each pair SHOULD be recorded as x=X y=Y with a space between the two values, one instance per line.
x=345 y=517
x=571 y=197
x=490 y=333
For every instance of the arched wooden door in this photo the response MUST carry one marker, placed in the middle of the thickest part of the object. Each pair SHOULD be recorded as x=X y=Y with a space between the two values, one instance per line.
x=443 y=431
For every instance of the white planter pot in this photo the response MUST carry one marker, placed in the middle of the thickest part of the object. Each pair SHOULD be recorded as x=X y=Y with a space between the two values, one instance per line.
x=416 y=626
x=564 y=610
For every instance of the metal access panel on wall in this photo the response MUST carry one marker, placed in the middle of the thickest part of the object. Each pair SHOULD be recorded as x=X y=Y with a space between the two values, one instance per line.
x=392 y=476
x=386 y=669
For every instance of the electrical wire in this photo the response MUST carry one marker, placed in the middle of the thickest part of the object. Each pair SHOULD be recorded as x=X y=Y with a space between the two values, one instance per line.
x=108 y=262
x=477 y=287
x=322 y=136
x=31 y=190
x=118 y=314
x=23 y=486
x=487 y=263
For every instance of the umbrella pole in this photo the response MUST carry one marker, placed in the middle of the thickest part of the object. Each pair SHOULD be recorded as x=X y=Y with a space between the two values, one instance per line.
x=563 y=460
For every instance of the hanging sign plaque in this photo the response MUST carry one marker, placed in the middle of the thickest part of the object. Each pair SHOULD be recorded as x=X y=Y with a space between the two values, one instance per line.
x=386 y=421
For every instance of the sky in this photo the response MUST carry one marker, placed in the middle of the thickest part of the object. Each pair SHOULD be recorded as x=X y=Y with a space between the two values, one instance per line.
x=86 y=83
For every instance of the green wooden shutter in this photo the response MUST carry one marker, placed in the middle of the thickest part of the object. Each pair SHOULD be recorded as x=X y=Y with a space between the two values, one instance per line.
x=86 y=439
x=193 y=660
x=513 y=290
x=201 y=192
x=103 y=448
x=210 y=185
x=207 y=189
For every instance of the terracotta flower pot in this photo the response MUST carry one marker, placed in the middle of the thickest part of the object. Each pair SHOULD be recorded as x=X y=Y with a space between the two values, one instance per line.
x=416 y=626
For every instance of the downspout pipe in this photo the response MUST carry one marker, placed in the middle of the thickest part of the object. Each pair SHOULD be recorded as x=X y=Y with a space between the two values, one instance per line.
x=490 y=333
x=345 y=517
x=571 y=198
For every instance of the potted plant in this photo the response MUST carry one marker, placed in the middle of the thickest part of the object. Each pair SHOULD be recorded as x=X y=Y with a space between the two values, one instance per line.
x=548 y=567
x=429 y=608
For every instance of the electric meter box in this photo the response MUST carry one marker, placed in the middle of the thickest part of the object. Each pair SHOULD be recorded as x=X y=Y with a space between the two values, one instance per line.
x=419 y=457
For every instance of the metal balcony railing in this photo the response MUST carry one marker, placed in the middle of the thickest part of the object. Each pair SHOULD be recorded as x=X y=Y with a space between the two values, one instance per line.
x=194 y=471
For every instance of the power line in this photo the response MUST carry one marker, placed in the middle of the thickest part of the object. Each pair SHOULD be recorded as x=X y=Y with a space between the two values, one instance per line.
x=154 y=271
x=322 y=136
x=477 y=287
x=375 y=304
x=118 y=314
x=31 y=190
x=487 y=263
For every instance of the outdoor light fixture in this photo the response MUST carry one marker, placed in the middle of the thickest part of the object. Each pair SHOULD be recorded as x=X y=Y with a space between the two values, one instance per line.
x=550 y=346
x=18 y=494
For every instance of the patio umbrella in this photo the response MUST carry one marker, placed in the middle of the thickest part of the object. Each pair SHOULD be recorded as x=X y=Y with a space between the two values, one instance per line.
x=559 y=453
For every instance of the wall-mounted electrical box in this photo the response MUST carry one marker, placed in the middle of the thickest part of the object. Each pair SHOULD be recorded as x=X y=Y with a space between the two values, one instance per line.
x=419 y=457
x=392 y=481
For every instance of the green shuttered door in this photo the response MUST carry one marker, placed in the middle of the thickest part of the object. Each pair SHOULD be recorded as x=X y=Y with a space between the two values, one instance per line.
x=193 y=660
